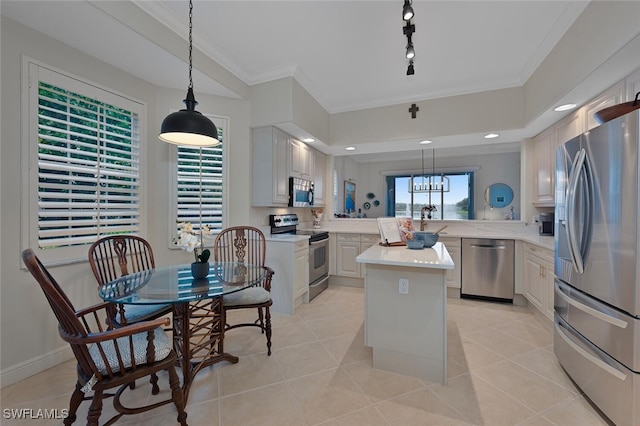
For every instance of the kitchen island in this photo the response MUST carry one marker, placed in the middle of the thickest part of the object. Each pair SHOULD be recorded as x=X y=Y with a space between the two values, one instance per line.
x=406 y=309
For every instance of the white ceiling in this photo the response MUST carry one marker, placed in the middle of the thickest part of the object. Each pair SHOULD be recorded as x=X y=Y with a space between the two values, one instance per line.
x=348 y=55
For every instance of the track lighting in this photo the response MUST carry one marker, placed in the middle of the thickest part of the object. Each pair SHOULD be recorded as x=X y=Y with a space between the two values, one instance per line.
x=408 y=30
x=407 y=11
x=410 y=70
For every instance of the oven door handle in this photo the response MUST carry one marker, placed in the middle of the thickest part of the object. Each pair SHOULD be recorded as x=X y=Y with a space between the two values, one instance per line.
x=318 y=242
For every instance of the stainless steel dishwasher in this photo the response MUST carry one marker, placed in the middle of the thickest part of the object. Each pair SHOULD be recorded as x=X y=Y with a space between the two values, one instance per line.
x=488 y=269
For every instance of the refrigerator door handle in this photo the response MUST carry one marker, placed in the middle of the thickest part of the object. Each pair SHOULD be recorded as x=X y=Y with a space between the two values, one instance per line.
x=561 y=291
x=588 y=356
x=576 y=170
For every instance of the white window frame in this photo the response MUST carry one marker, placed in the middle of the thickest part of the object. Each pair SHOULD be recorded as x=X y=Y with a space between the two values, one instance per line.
x=222 y=123
x=32 y=72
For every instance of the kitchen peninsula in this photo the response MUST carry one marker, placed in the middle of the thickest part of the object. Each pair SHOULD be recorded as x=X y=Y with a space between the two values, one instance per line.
x=406 y=309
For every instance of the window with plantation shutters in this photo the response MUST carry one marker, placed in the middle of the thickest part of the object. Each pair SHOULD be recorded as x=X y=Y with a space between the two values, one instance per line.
x=86 y=176
x=199 y=183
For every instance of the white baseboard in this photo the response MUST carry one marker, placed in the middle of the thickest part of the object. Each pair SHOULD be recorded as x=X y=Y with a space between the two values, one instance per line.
x=36 y=365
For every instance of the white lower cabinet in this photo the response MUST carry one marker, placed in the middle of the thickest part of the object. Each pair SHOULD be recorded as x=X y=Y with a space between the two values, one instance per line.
x=348 y=247
x=454 y=247
x=538 y=278
x=290 y=283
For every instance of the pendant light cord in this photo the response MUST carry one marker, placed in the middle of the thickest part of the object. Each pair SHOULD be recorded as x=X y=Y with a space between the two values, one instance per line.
x=190 y=43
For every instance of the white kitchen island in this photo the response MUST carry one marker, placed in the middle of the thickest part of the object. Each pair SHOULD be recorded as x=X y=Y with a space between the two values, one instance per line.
x=408 y=332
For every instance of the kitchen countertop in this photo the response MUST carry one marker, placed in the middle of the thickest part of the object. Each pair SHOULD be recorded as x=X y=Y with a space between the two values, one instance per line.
x=285 y=238
x=513 y=230
x=436 y=257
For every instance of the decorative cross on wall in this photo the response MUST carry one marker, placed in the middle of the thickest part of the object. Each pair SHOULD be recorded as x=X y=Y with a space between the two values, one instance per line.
x=413 y=110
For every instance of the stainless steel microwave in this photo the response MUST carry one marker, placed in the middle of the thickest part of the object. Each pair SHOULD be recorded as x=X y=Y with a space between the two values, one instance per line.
x=300 y=192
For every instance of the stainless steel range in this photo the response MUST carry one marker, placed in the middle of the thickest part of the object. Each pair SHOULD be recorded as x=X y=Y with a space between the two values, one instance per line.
x=318 y=250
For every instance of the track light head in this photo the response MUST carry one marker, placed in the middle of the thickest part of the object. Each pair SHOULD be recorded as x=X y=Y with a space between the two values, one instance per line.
x=410 y=70
x=410 y=51
x=407 y=10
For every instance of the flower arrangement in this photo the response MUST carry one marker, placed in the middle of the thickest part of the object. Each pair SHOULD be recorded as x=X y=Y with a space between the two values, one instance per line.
x=192 y=240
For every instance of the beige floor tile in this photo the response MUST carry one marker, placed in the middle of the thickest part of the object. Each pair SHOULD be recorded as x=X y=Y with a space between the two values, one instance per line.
x=478 y=318
x=333 y=326
x=291 y=335
x=481 y=403
x=252 y=371
x=313 y=311
x=325 y=396
x=380 y=385
x=44 y=385
x=271 y=405
x=296 y=361
x=348 y=348
x=513 y=312
x=345 y=306
x=546 y=364
x=538 y=420
x=422 y=407
x=369 y=416
x=278 y=319
x=470 y=354
x=499 y=342
x=576 y=412
x=528 y=332
x=246 y=341
x=531 y=389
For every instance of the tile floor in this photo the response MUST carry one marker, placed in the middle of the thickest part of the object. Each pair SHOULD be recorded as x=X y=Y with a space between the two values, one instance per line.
x=502 y=371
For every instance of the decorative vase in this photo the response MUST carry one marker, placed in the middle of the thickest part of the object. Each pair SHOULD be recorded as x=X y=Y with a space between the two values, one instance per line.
x=199 y=270
x=316 y=220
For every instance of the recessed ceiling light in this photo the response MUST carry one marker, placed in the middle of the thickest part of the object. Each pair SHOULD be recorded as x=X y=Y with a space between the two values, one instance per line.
x=350 y=148
x=565 y=107
x=491 y=136
x=308 y=140
x=425 y=142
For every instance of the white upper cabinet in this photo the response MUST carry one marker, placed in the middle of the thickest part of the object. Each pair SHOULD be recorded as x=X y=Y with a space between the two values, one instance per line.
x=276 y=157
x=544 y=146
x=610 y=97
x=633 y=85
x=270 y=167
x=300 y=155
x=319 y=162
x=568 y=128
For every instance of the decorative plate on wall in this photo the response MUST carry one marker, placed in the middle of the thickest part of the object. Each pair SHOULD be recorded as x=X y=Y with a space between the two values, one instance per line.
x=366 y=205
x=371 y=195
x=376 y=203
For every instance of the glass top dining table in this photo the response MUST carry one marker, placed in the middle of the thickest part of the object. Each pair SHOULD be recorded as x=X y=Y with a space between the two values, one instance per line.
x=174 y=284
x=198 y=316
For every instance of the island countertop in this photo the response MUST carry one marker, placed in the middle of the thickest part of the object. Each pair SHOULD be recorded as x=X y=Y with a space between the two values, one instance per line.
x=436 y=257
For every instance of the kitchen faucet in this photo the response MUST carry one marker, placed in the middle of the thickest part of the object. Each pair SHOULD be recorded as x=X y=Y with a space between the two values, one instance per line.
x=422 y=223
x=430 y=208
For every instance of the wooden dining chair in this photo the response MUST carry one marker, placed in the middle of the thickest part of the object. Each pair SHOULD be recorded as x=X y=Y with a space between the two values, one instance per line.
x=246 y=244
x=109 y=357
x=114 y=256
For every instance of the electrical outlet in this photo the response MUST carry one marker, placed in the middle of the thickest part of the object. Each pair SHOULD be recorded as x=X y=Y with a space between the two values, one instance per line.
x=403 y=286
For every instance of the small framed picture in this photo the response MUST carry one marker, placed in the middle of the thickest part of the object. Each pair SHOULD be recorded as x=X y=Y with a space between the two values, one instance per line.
x=349 y=196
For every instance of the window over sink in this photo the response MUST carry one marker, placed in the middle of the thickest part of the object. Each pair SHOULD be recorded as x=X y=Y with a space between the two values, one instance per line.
x=450 y=195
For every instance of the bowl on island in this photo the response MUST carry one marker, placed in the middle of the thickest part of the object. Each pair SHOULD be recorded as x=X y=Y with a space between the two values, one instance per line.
x=428 y=238
x=415 y=244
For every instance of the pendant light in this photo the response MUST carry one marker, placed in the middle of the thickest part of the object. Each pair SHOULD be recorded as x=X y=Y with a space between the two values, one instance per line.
x=188 y=126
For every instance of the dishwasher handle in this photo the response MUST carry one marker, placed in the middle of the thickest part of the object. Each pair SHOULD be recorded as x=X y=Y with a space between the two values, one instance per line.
x=488 y=246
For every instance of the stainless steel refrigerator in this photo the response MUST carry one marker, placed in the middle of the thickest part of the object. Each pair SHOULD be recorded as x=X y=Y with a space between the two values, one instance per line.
x=597 y=266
